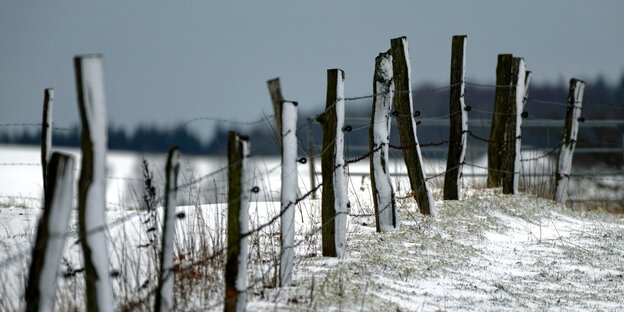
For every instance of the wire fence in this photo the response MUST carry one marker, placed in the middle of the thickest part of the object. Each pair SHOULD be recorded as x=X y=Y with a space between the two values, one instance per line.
x=255 y=189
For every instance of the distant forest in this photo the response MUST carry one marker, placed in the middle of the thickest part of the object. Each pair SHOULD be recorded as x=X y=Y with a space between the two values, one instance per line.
x=601 y=101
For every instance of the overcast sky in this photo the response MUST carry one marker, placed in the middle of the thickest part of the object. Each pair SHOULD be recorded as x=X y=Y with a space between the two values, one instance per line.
x=168 y=61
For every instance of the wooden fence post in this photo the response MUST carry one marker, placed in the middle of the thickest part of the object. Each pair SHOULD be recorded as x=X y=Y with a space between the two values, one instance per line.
x=51 y=232
x=379 y=138
x=311 y=160
x=459 y=120
x=568 y=139
x=289 y=190
x=497 y=129
x=164 y=299
x=334 y=197
x=238 y=223
x=92 y=183
x=275 y=90
x=46 y=134
x=513 y=127
x=401 y=70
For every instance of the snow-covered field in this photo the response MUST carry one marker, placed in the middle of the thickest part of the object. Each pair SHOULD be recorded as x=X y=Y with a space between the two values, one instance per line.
x=486 y=252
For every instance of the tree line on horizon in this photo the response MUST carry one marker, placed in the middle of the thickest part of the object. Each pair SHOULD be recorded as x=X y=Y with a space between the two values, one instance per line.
x=601 y=101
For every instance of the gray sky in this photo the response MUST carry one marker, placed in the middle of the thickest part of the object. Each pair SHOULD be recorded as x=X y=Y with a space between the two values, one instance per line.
x=167 y=61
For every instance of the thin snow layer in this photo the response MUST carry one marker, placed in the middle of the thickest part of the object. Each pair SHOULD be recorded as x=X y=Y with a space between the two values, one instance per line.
x=166 y=288
x=95 y=203
x=58 y=220
x=288 y=190
x=385 y=197
x=341 y=200
x=492 y=252
x=520 y=92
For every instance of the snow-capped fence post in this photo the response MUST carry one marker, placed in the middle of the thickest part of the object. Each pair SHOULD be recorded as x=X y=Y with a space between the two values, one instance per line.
x=568 y=139
x=379 y=138
x=527 y=83
x=46 y=134
x=275 y=91
x=164 y=299
x=311 y=159
x=238 y=223
x=334 y=196
x=288 y=190
x=458 y=120
x=513 y=127
x=497 y=128
x=51 y=232
x=401 y=71
x=92 y=183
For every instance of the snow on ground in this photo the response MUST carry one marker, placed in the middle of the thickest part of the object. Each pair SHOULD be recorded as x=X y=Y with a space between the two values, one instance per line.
x=486 y=252
x=491 y=252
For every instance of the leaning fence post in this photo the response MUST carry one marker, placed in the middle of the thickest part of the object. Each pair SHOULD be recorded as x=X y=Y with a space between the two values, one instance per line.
x=289 y=190
x=276 y=98
x=92 y=183
x=379 y=139
x=46 y=134
x=164 y=299
x=568 y=139
x=459 y=120
x=401 y=70
x=334 y=197
x=513 y=127
x=51 y=232
x=238 y=223
x=497 y=129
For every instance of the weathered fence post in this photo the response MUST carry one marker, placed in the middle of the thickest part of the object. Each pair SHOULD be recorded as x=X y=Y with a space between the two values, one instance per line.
x=401 y=70
x=46 y=134
x=459 y=120
x=92 y=183
x=275 y=90
x=311 y=158
x=379 y=138
x=513 y=126
x=568 y=139
x=334 y=197
x=51 y=232
x=497 y=129
x=238 y=223
x=164 y=299
x=289 y=190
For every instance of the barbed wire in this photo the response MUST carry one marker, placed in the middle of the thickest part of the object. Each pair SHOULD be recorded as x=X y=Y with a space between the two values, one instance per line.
x=278 y=216
x=485 y=85
x=347 y=162
x=19 y=164
x=20 y=197
x=532 y=99
x=32 y=124
x=547 y=154
x=470 y=133
x=490 y=112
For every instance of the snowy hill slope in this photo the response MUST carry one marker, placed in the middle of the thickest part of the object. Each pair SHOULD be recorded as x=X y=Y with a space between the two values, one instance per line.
x=491 y=252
